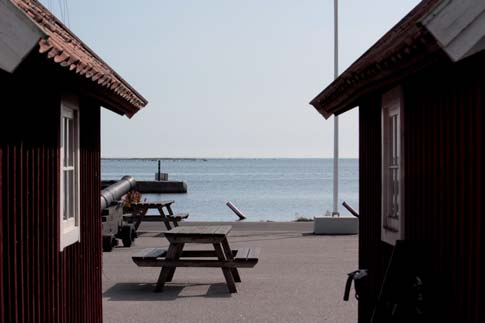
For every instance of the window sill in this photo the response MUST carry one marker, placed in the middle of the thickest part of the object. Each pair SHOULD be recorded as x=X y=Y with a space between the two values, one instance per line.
x=69 y=237
x=390 y=229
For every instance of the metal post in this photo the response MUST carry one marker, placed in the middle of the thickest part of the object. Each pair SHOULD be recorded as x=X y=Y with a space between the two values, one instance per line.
x=335 y=123
x=158 y=174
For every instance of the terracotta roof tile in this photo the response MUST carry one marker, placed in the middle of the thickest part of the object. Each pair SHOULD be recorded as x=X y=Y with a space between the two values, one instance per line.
x=65 y=49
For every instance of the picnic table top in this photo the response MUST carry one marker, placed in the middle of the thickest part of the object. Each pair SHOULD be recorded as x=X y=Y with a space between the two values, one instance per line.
x=200 y=231
x=153 y=204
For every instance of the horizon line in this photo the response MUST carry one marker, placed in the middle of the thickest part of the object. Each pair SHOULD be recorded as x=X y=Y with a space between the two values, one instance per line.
x=207 y=158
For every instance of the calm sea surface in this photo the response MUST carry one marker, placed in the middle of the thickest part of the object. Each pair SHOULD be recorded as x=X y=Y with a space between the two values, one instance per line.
x=263 y=189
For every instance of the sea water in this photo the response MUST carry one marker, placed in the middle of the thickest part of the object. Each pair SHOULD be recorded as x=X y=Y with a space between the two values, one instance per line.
x=263 y=189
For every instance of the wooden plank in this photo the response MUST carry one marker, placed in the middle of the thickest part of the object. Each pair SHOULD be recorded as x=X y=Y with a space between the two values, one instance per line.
x=160 y=211
x=169 y=209
x=209 y=230
x=175 y=231
x=167 y=224
x=184 y=231
x=228 y=253
x=159 y=253
x=167 y=271
x=249 y=263
x=156 y=218
x=226 y=271
x=178 y=252
x=242 y=254
x=139 y=212
x=202 y=230
x=179 y=216
x=247 y=257
x=150 y=253
x=197 y=234
x=198 y=253
x=154 y=205
x=253 y=253
x=192 y=238
x=189 y=263
x=224 y=229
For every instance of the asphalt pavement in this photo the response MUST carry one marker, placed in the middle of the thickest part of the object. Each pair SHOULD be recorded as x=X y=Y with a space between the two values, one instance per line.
x=300 y=277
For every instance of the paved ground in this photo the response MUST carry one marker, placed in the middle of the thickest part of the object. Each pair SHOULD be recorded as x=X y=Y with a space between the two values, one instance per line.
x=300 y=278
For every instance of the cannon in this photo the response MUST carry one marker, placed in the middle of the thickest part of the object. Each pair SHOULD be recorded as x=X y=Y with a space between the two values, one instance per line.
x=113 y=225
x=115 y=191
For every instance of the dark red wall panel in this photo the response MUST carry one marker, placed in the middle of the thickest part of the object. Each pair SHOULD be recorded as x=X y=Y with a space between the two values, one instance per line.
x=443 y=183
x=373 y=253
x=38 y=282
x=443 y=116
x=2 y=301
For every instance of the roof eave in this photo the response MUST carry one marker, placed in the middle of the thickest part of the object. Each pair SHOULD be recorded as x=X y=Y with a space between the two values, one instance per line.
x=346 y=92
x=399 y=52
x=320 y=110
x=63 y=47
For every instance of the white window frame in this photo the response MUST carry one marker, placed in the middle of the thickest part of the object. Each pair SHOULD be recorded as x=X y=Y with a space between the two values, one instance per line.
x=392 y=134
x=70 y=232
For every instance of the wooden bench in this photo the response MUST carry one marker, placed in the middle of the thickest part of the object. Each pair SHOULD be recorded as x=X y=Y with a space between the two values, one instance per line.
x=155 y=257
x=140 y=214
x=246 y=257
x=227 y=259
x=158 y=218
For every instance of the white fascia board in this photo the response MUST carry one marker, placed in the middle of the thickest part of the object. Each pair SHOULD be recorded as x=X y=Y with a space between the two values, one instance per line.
x=18 y=36
x=458 y=26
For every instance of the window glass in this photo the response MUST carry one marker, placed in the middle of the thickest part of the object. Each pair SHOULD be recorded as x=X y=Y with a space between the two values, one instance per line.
x=392 y=215
x=69 y=140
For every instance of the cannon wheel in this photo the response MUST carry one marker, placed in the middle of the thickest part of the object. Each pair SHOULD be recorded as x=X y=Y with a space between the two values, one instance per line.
x=108 y=243
x=128 y=234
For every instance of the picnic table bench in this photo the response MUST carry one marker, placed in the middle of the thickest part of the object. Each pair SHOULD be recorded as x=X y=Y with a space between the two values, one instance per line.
x=140 y=213
x=227 y=259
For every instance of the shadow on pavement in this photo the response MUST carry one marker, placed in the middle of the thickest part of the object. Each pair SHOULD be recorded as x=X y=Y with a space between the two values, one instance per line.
x=171 y=291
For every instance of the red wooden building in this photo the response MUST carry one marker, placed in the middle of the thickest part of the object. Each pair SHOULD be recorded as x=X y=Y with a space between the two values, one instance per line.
x=421 y=95
x=52 y=87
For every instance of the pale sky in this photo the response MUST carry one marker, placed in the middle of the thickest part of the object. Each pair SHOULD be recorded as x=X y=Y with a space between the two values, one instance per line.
x=228 y=78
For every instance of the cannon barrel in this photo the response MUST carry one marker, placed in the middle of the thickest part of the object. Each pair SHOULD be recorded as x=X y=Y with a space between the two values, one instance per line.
x=115 y=191
x=351 y=210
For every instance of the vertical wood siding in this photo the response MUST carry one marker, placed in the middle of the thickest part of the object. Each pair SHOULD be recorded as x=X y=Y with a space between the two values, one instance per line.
x=373 y=253
x=443 y=111
x=39 y=283
x=2 y=310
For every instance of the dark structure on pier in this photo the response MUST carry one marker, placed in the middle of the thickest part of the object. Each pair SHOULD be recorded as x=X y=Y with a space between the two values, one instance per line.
x=52 y=89
x=421 y=96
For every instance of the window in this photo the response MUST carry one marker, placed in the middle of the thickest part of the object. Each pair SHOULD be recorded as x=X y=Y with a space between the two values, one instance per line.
x=69 y=220
x=392 y=172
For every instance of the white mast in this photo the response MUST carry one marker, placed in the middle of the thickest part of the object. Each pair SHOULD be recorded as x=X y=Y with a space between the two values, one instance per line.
x=335 y=120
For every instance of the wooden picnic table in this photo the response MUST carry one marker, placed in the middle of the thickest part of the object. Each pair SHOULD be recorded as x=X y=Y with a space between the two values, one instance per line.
x=140 y=211
x=227 y=259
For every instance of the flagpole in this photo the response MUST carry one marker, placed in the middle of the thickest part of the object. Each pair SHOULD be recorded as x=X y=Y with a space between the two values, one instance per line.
x=335 y=121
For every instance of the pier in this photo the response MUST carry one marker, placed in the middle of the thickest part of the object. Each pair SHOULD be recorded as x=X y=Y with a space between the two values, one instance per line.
x=155 y=186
